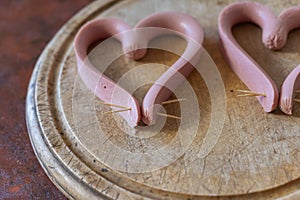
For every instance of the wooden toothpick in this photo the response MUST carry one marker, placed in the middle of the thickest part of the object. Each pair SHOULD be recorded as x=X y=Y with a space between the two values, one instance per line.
x=116 y=111
x=297 y=91
x=172 y=101
x=297 y=100
x=248 y=93
x=113 y=105
x=169 y=116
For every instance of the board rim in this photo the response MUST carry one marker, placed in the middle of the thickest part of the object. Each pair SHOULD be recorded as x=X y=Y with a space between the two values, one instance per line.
x=42 y=149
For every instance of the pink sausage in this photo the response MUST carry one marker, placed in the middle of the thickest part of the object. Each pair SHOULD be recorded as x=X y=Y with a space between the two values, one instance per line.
x=241 y=63
x=102 y=86
x=288 y=20
x=134 y=46
x=291 y=83
x=192 y=32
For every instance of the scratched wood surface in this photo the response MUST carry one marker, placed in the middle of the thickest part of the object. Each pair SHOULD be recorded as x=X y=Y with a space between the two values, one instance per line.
x=89 y=155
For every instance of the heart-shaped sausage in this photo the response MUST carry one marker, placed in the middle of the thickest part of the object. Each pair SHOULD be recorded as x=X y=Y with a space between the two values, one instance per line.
x=135 y=46
x=275 y=30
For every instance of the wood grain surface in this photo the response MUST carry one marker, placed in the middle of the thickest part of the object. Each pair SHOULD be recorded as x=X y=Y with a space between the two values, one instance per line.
x=89 y=155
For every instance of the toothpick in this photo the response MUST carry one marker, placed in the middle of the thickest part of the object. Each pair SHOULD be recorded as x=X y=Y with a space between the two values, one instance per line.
x=172 y=101
x=116 y=111
x=297 y=100
x=113 y=105
x=167 y=115
x=250 y=93
x=297 y=91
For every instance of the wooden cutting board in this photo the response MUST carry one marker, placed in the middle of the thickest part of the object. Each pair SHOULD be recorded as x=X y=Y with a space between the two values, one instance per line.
x=89 y=155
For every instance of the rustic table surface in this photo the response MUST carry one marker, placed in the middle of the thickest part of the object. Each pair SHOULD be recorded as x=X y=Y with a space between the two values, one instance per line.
x=26 y=27
x=259 y=155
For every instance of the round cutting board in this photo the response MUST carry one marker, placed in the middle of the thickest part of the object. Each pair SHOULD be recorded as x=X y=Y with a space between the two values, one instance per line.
x=91 y=155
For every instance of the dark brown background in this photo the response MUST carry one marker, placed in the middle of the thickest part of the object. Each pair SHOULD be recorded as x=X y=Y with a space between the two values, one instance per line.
x=26 y=26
